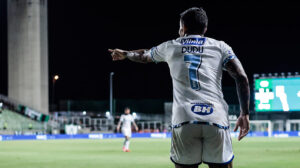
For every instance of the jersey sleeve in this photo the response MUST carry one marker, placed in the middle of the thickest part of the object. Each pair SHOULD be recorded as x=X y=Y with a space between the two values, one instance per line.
x=227 y=54
x=159 y=53
x=122 y=118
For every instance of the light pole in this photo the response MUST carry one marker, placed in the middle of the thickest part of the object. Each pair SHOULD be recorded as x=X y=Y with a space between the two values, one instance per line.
x=54 y=79
x=111 y=93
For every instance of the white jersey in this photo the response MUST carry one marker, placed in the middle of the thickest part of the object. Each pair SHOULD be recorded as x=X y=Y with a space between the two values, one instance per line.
x=126 y=121
x=196 y=65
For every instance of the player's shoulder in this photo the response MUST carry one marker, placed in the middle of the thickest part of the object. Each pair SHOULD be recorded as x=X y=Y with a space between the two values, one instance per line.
x=212 y=41
x=163 y=46
x=170 y=43
x=219 y=44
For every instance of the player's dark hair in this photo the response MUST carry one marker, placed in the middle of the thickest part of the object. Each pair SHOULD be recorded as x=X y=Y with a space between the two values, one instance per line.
x=126 y=108
x=195 y=20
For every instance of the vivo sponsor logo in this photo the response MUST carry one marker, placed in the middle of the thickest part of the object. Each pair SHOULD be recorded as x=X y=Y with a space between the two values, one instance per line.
x=193 y=41
x=0 y=138
x=202 y=109
x=158 y=135
x=41 y=137
x=95 y=136
x=299 y=133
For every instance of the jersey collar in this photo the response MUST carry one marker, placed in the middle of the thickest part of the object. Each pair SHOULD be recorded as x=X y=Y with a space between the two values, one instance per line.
x=193 y=35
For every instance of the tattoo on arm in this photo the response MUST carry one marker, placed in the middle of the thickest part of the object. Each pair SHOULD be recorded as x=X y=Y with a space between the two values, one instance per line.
x=141 y=56
x=236 y=71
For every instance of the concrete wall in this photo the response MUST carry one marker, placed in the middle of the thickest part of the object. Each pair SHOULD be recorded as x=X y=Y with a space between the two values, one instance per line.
x=28 y=53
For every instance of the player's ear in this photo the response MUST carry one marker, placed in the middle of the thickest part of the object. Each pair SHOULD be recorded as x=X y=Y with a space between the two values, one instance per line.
x=205 y=29
x=180 y=32
x=185 y=30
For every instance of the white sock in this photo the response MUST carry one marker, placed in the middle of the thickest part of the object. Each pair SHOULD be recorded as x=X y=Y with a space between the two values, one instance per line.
x=127 y=142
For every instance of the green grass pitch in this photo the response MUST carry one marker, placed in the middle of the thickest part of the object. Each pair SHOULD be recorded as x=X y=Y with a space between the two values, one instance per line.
x=145 y=153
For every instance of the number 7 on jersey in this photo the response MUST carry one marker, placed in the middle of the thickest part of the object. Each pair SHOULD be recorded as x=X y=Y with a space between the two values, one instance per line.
x=195 y=63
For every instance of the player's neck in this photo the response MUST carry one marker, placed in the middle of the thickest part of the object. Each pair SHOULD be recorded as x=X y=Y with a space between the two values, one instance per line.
x=193 y=34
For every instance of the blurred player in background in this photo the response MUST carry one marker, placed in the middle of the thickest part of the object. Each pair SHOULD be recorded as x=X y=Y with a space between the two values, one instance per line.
x=126 y=120
x=200 y=125
x=1 y=105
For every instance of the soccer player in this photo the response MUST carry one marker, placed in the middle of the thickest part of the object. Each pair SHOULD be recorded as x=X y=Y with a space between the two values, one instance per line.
x=1 y=104
x=200 y=126
x=126 y=119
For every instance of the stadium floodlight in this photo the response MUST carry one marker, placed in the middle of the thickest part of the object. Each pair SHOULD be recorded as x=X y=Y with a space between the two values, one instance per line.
x=56 y=77
x=84 y=112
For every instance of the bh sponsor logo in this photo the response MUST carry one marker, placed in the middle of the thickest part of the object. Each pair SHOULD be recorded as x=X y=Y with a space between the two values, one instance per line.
x=202 y=109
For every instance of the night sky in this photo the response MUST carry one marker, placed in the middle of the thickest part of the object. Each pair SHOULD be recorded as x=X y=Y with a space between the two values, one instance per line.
x=265 y=37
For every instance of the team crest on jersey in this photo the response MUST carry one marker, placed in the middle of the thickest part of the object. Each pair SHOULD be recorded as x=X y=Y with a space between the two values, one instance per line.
x=202 y=109
x=192 y=41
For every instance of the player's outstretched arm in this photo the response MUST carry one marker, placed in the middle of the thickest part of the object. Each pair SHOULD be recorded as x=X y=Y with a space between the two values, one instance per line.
x=118 y=126
x=135 y=126
x=236 y=71
x=141 y=55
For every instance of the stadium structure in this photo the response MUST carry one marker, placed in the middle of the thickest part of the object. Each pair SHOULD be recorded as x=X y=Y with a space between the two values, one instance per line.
x=275 y=113
x=25 y=110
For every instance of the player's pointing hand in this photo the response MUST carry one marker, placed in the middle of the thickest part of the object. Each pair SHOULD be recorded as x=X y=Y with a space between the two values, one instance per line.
x=117 y=54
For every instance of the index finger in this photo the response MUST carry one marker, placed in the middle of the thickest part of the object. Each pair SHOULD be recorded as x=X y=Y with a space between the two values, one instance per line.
x=110 y=50
x=236 y=127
